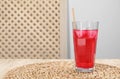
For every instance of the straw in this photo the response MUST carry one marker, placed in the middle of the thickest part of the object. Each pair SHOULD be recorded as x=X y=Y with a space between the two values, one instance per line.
x=74 y=20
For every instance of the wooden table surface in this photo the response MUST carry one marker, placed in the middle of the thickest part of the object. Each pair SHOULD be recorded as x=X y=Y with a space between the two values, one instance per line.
x=7 y=64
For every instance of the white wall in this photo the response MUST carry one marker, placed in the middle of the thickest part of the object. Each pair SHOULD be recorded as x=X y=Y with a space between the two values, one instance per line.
x=107 y=12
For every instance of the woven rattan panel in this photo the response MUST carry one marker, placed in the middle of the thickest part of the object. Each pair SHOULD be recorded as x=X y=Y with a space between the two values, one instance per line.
x=29 y=28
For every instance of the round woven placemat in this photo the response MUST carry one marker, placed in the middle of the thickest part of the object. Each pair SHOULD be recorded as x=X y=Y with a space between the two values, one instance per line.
x=62 y=70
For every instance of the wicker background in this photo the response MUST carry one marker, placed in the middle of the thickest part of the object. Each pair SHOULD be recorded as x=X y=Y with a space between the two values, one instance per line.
x=29 y=28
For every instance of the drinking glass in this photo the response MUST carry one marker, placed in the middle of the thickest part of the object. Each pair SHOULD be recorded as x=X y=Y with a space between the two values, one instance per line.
x=85 y=40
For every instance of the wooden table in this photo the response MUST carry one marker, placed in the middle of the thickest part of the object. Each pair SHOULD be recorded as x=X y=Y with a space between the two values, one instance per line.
x=7 y=64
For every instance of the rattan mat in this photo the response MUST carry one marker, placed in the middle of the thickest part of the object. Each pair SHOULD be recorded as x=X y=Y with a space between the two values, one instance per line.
x=62 y=70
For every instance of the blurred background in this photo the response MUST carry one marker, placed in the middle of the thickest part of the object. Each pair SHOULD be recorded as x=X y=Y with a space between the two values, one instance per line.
x=107 y=12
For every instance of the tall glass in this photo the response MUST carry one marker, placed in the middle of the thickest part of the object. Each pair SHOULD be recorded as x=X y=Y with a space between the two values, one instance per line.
x=85 y=40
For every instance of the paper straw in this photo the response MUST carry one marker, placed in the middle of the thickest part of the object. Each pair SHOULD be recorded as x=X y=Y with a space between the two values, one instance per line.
x=74 y=20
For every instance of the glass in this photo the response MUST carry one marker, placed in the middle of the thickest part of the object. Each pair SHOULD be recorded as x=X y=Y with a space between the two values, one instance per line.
x=85 y=40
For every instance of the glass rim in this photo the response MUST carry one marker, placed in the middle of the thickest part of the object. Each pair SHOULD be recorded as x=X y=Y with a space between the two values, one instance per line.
x=85 y=25
x=86 y=21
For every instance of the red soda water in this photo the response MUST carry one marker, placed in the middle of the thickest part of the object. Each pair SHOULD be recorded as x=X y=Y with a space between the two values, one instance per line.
x=85 y=47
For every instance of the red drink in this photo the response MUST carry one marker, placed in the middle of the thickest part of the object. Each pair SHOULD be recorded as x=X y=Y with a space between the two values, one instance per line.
x=85 y=47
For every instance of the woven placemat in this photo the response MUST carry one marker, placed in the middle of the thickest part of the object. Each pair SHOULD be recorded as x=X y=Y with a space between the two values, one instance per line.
x=62 y=70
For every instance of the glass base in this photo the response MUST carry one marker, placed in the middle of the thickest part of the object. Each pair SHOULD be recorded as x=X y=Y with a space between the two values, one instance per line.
x=84 y=69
